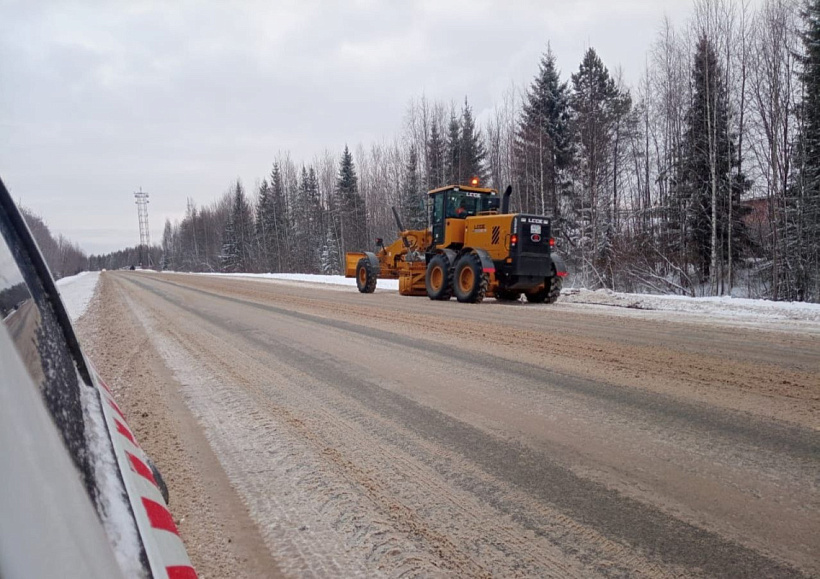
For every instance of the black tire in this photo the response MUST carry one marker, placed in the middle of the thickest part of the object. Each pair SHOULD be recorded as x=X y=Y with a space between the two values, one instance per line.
x=555 y=289
x=163 y=488
x=366 y=276
x=439 y=278
x=505 y=295
x=469 y=280
x=547 y=294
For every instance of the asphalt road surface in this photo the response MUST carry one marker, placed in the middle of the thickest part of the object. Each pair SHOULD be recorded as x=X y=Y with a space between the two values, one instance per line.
x=315 y=431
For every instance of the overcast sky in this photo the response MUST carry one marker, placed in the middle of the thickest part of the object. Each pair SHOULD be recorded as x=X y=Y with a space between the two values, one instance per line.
x=181 y=98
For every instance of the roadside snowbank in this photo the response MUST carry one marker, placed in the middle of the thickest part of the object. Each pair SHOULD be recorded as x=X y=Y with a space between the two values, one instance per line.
x=714 y=306
x=739 y=309
x=77 y=291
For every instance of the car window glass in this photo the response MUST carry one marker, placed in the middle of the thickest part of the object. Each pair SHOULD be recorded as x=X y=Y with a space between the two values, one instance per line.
x=29 y=317
x=19 y=313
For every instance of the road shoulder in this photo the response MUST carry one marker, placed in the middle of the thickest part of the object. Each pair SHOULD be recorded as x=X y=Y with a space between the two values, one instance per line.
x=214 y=523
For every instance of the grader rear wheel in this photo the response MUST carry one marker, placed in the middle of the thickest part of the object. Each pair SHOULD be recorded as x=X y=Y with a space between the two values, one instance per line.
x=547 y=294
x=470 y=280
x=366 y=276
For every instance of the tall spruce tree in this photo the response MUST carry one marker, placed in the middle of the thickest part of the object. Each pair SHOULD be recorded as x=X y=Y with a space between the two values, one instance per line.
x=272 y=223
x=237 y=249
x=264 y=232
x=543 y=139
x=594 y=100
x=799 y=218
x=435 y=158
x=352 y=210
x=412 y=197
x=473 y=154
x=453 y=161
x=710 y=182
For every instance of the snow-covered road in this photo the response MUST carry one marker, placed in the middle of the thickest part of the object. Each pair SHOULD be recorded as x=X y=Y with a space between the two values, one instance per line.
x=378 y=434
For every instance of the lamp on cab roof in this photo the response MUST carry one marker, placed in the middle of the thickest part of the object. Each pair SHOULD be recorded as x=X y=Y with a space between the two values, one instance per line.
x=474 y=182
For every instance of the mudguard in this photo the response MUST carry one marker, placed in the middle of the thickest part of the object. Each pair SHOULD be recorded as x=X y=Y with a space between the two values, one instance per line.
x=486 y=261
x=451 y=255
x=374 y=261
x=560 y=266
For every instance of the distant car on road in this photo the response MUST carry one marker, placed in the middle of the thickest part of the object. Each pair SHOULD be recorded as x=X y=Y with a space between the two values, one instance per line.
x=78 y=495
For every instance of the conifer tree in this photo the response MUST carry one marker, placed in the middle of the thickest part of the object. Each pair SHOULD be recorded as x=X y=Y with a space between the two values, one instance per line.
x=435 y=158
x=473 y=154
x=237 y=250
x=412 y=197
x=710 y=184
x=799 y=219
x=264 y=232
x=272 y=222
x=593 y=101
x=452 y=162
x=351 y=206
x=543 y=139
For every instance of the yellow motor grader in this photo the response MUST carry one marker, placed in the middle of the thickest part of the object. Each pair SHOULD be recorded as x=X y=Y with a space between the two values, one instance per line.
x=473 y=248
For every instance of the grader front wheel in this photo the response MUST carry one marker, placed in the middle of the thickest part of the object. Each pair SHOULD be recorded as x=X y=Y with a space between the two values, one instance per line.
x=438 y=278
x=366 y=276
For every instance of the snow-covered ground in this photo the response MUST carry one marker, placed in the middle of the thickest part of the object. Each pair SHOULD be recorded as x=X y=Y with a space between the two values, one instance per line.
x=76 y=292
x=718 y=308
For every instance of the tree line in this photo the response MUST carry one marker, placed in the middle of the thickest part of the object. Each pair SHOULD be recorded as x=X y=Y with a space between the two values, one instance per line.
x=704 y=179
x=63 y=256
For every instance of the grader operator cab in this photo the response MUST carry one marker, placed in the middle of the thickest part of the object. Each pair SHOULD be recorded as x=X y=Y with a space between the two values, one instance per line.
x=472 y=248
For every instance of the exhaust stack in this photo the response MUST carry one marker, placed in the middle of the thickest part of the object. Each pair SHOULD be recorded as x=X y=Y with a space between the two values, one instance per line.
x=505 y=201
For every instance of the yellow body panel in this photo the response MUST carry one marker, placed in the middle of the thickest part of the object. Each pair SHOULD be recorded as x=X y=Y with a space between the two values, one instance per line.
x=490 y=233
x=454 y=232
x=351 y=260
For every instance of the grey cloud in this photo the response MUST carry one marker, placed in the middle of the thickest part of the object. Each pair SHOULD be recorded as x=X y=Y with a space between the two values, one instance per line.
x=97 y=99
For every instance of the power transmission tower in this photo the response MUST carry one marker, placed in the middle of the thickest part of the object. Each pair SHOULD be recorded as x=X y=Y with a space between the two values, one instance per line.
x=142 y=213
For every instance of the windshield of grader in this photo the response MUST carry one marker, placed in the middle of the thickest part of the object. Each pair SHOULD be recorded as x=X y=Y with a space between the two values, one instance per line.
x=463 y=204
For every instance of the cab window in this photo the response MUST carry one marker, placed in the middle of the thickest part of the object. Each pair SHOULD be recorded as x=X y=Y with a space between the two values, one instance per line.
x=438 y=207
x=461 y=205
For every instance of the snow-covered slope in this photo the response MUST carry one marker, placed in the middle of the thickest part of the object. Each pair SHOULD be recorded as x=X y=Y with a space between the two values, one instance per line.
x=77 y=291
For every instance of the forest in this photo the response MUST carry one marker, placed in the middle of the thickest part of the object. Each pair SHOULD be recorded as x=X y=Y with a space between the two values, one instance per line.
x=63 y=256
x=702 y=179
